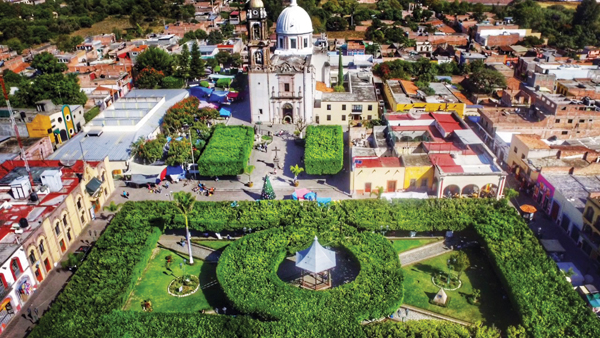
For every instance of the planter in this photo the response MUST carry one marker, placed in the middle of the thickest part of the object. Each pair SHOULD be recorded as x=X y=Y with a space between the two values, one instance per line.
x=250 y=184
x=188 y=291
x=296 y=183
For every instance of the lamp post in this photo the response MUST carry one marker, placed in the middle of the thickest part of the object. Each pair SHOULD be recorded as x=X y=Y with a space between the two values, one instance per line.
x=185 y=126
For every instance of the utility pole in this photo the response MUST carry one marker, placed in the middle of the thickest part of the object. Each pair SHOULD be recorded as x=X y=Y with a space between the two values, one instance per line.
x=14 y=125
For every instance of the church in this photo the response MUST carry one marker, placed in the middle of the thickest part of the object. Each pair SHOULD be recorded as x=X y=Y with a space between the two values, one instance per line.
x=283 y=78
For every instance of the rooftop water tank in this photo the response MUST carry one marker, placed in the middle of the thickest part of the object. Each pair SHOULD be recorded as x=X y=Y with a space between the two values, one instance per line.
x=20 y=187
x=52 y=179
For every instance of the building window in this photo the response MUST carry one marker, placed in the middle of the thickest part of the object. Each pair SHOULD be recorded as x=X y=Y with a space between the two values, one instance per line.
x=343 y=117
x=369 y=117
x=305 y=42
x=68 y=118
x=41 y=247
x=63 y=247
x=15 y=267
x=328 y=117
x=32 y=258
x=317 y=119
x=293 y=43
x=589 y=214
x=82 y=217
x=280 y=42
x=79 y=203
x=413 y=183
x=370 y=107
x=564 y=132
x=343 y=107
x=57 y=229
x=522 y=156
x=65 y=223
x=557 y=121
x=570 y=120
x=581 y=121
x=60 y=120
x=515 y=150
x=357 y=108
x=260 y=111
x=424 y=182
x=328 y=107
x=286 y=87
x=69 y=234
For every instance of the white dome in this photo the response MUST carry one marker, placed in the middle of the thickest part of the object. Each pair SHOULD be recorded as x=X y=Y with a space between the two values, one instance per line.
x=294 y=20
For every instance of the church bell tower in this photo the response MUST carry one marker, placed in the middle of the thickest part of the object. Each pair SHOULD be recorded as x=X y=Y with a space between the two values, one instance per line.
x=258 y=36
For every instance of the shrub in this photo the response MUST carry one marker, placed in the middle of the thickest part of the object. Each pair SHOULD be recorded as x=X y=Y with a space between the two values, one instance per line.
x=227 y=152
x=324 y=153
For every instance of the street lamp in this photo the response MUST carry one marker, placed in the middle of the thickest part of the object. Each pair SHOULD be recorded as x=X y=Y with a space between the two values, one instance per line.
x=185 y=126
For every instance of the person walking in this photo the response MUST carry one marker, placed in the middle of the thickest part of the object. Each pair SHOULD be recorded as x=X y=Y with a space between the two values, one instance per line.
x=29 y=312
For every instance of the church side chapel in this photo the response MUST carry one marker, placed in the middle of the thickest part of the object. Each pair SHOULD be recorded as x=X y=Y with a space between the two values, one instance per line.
x=283 y=74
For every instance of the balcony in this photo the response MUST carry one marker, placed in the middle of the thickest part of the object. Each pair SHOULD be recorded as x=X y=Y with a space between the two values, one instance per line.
x=590 y=236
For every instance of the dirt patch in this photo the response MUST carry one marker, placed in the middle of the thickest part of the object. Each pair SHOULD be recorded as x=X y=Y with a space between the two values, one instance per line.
x=106 y=26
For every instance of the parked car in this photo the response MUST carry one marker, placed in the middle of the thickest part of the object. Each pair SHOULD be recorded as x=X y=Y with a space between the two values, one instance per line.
x=590 y=294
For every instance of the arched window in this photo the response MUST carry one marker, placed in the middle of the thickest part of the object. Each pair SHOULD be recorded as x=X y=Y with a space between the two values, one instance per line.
x=15 y=268
x=103 y=176
x=69 y=234
x=32 y=258
x=57 y=228
x=4 y=284
x=83 y=217
x=42 y=248
x=79 y=203
x=65 y=223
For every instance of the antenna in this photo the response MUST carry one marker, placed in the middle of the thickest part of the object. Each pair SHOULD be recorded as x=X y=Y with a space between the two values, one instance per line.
x=14 y=124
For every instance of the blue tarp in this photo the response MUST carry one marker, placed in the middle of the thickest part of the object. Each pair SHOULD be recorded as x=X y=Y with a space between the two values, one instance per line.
x=323 y=201
x=311 y=196
x=201 y=92
x=175 y=171
x=218 y=96
x=474 y=119
x=225 y=112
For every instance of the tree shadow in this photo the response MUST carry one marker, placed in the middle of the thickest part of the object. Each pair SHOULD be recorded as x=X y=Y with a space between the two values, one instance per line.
x=253 y=195
x=211 y=289
x=426 y=268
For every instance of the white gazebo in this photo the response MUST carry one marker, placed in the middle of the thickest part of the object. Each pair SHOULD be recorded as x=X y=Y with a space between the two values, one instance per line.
x=315 y=262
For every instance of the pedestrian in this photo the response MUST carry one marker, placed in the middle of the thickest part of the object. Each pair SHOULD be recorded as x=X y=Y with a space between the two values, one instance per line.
x=216 y=179
x=127 y=195
x=29 y=312
x=406 y=312
x=217 y=310
x=224 y=310
x=36 y=311
x=275 y=171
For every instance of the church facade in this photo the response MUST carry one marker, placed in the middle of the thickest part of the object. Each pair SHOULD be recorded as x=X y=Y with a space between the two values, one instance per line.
x=282 y=78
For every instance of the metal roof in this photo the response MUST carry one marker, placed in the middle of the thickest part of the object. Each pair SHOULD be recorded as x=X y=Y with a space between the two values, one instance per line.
x=316 y=258
x=117 y=145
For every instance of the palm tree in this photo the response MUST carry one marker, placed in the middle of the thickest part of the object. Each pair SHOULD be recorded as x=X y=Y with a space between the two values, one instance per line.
x=185 y=204
x=296 y=170
x=112 y=207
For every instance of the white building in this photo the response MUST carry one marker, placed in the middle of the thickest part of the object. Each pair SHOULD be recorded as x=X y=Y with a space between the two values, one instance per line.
x=17 y=282
x=282 y=85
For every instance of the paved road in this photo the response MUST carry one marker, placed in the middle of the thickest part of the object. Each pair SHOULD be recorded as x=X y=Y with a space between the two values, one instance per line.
x=51 y=287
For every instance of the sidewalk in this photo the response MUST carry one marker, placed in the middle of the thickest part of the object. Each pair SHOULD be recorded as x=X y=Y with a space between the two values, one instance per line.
x=415 y=313
x=204 y=253
x=50 y=288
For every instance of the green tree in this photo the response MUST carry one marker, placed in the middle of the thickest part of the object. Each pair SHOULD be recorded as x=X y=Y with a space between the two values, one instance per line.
x=156 y=58
x=183 y=63
x=113 y=207
x=227 y=30
x=118 y=33
x=336 y=23
x=587 y=13
x=296 y=170
x=236 y=60
x=179 y=152
x=46 y=63
x=149 y=78
x=215 y=37
x=15 y=44
x=170 y=82
x=267 y=190
x=485 y=81
x=222 y=57
x=184 y=202
x=197 y=65
x=68 y=43
x=208 y=113
x=460 y=262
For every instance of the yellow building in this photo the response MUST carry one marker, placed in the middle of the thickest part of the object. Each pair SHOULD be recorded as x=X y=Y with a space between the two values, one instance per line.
x=357 y=105
x=418 y=172
x=525 y=147
x=68 y=197
x=591 y=226
x=60 y=123
x=371 y=173
x=404 y=96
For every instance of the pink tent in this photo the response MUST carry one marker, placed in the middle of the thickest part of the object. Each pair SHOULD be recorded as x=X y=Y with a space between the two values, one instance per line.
x=299 y=194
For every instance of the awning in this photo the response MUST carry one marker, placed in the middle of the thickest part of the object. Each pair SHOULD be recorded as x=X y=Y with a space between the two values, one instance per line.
x=225 y=112
x=143 y=179
x=175 y=170
x=147 y=170
x=356 y=113
x=298 y=194
x=56 y=131
x=218 y=96
x=93 y=186
x=232 y=95
x=552 y=245
x=200 y=92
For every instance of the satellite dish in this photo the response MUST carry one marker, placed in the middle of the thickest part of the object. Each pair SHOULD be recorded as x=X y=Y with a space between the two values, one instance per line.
x=414 y=114
x=67 y=163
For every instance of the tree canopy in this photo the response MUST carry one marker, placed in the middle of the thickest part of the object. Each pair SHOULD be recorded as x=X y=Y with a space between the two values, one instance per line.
x=46 y=63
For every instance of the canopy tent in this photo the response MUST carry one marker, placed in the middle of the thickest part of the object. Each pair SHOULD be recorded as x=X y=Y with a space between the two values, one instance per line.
x=219 y=76
x=311 y=196
x=173 y=172
x=201 y=92
x=142 y=180
x=528 y=208
x=298 y=194
x=232 y=95
x=577 y=278
x=204 y=104
x=552 y=245
x=407 y=194
x=315 y=262
x=224 y=112
x=321 y=201
x=218 y=96
x=136 y=168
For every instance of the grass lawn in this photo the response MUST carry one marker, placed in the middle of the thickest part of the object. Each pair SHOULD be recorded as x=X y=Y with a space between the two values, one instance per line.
x=492 y=307
x=402 y=245
x=567 y=5
x=106 y=26
x=90 y=114
x=213 y=244
x=156 y=279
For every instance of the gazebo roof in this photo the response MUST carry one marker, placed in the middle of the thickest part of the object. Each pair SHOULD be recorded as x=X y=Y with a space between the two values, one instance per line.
x=316 y=258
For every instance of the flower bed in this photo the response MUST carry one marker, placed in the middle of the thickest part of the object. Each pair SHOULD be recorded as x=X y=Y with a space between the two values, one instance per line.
x=189 y=285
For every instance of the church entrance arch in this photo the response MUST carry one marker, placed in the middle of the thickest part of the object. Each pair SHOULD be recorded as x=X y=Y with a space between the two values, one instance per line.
x=288 y=113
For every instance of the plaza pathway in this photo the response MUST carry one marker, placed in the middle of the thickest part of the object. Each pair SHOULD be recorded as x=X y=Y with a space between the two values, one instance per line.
x=172 y=242
x=423 y=252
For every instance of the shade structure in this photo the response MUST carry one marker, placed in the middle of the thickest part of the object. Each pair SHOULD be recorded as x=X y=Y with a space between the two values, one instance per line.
x=224 y=112
x=218 y=96
x=201 y=92
x=528 y=208
x=311 y=196
x=316 y=258
x=298 y=194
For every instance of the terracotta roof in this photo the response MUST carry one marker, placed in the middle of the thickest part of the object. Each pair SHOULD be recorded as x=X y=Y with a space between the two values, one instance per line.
x=323 y=88
x=512 y=83
x=532 y=141
x=21 y=67
x=379 y=162
x=409 y=87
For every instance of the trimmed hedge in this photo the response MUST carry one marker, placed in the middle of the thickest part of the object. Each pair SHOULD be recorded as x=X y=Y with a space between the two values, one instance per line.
x=324 y=154
x=248 y=267
x=89 y=306
x=227 y=152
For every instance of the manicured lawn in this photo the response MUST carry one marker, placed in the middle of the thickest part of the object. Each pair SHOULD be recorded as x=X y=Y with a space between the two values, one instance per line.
x=213 y=244
x=156 y=279
x=402 y=245
x=492 y=308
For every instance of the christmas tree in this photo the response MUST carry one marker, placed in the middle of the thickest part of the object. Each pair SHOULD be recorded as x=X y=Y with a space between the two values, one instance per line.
x=267 y=190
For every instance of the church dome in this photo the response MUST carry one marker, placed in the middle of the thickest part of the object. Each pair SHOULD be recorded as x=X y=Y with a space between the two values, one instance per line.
x=256 y=4
x=294 y=20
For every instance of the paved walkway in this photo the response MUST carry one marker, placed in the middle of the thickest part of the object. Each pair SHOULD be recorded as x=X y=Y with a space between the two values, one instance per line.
x=423 y=252
x=50 y=288
x=204 y=253
x=415 y=313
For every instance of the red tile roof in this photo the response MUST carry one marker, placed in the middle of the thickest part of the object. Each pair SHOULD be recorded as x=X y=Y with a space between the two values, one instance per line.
x=379 y=162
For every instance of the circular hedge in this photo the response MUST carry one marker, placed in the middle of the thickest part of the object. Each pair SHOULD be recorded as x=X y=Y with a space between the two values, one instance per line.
x=247 y=272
